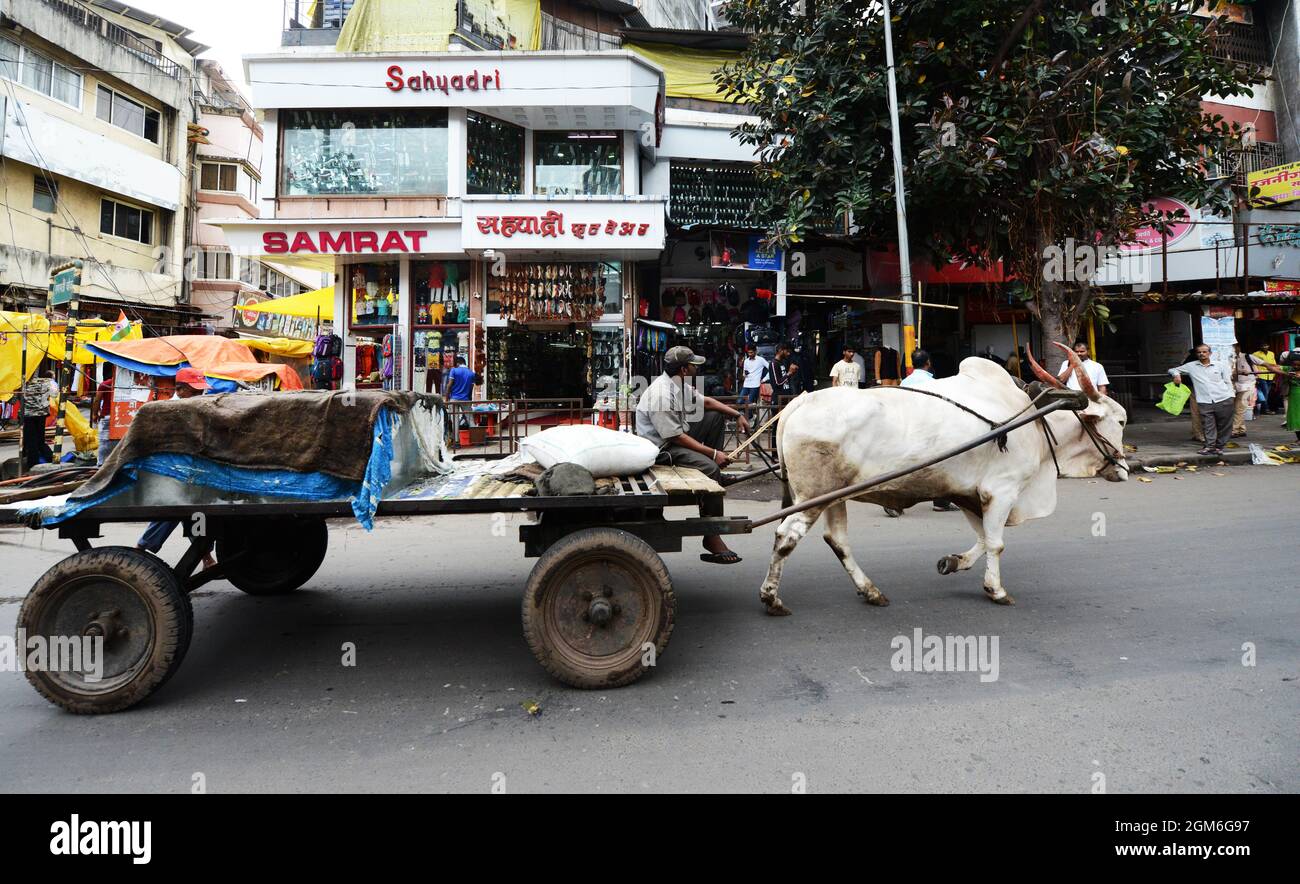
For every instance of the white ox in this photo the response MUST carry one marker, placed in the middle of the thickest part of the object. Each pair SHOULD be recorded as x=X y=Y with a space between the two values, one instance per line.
x=834 y=438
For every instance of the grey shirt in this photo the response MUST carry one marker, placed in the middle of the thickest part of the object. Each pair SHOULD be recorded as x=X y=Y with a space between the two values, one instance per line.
x=1211 y=383
x=664 y=407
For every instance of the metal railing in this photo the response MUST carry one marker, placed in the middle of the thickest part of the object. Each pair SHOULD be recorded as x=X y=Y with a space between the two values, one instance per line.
x=114 y=33
x=1241 y=43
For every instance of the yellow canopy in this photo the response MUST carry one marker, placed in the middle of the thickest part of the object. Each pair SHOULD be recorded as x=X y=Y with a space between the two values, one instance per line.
x=308 y=305
x=44 y=340
x=288 y=348
x=426 y=25
x=688 y=73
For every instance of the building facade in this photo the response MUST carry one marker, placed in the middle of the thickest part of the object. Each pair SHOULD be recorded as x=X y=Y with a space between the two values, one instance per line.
x=227 y=183
x=96 y=105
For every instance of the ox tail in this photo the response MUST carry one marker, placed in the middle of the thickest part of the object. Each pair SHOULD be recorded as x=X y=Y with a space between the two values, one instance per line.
x=786 y=498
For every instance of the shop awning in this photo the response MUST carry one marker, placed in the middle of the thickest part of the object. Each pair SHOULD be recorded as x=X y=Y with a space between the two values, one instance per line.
x=286 y=348
x=688 y=73
x=44 y=340
x=308 y=305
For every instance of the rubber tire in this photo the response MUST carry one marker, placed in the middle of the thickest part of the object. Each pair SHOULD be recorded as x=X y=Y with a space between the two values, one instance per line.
x=613 y=543
x=160 y=589
x=306 y=538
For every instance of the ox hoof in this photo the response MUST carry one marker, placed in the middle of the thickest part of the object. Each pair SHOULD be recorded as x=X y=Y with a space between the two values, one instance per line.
x=878 y=600
x=776 y=609
x=949 y=564
x=1005 y=599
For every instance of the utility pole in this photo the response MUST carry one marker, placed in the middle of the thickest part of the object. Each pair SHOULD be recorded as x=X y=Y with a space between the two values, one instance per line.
x=900 y=200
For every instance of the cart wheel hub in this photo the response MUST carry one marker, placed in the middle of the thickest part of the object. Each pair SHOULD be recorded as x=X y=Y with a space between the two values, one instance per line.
x=600 y=612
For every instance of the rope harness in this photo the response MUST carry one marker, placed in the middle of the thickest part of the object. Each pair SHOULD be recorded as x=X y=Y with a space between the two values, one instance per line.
x=1107 y=451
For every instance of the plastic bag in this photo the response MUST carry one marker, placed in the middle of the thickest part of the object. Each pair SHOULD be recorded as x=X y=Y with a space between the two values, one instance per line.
x=1176 y=396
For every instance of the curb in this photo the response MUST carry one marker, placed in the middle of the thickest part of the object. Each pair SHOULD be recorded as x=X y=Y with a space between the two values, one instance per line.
x=1230 y=458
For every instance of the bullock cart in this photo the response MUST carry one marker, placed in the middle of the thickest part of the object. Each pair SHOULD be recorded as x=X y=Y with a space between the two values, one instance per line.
x=598 y=605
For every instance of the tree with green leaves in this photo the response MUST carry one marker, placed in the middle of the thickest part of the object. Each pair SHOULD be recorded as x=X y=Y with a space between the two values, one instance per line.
x=1024 y=124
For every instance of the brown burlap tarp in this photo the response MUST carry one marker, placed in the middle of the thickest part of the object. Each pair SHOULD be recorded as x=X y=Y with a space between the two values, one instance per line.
x=307 y=431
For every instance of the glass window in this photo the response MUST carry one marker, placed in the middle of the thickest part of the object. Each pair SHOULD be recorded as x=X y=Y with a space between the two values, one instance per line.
x=152 y=124
x=385 y=152
x=219 y=176
x=9 y=57
x=128 y=222
x=66 y=86
x=38 y=71
x=578 y=163
x=495 y=157
x=104 y=104
x=128 y=114
x=45 y=195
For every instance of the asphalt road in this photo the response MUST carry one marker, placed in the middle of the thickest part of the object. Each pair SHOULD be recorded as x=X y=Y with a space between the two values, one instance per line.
x=1121 y=664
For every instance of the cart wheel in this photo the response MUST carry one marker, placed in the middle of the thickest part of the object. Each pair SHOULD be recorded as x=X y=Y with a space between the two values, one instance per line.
x=131 y=599
x=593 y=602
x=274 y=556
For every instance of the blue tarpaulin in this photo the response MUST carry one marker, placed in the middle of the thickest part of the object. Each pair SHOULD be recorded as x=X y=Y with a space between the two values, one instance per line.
x=287 y=484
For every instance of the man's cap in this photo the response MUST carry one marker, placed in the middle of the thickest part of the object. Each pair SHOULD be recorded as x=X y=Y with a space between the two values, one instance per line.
x=683 y=356
x=193 y=377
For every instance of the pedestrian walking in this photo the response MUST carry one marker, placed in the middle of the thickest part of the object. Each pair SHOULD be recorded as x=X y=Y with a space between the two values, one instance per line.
x=755 y=371
x=1264 y=379
x=37 y=393
x=101 y=414
x=1243 y=385
x=1213 y=391
x=846 y=372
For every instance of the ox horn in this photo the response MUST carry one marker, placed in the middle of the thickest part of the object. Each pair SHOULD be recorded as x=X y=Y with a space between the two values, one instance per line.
x=1043 y=374
x=1085 y=382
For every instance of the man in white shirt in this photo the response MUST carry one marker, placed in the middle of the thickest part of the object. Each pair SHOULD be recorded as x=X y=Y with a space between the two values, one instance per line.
x=1212 y=385
x=1096 y=373
x=754 y=369
x=846 y=372
x=921 y=374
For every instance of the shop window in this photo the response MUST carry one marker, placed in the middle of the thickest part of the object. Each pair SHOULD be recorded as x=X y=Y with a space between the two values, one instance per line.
x=45 y=197
x=128 y=222
x=359 y=152
x=440 y=292
x=373 y=292
x=572 y=292
x=494 y=159
x=125 y=113
x=578 y=163
x=219 y=176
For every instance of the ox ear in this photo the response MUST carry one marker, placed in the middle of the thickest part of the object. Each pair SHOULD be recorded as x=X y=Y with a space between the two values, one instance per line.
x=1093 y=413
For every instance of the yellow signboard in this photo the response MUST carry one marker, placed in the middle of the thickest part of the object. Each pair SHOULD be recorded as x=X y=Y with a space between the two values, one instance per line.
x=1279 y=184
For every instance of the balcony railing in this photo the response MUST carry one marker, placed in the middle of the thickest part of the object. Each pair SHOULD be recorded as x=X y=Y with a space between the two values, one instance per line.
x=1237 y=165
x=128 y=40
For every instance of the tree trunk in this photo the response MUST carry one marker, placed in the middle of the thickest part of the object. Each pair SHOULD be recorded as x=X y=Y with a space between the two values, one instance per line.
x=1058 y=321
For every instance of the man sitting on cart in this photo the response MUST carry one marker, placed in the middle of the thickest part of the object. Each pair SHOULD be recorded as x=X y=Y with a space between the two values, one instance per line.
x=688 y=427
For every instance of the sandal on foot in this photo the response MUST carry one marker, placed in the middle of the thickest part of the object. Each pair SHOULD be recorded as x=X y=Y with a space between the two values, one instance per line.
x=726 y=558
